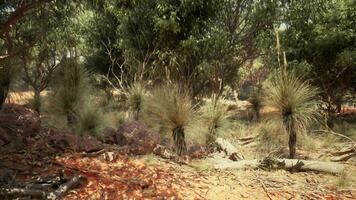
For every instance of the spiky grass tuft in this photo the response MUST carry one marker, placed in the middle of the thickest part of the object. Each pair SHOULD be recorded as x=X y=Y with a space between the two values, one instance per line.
x=169 y=109
x=90 y=121
x=215 y=116
x=136 y=95
x=296 y=102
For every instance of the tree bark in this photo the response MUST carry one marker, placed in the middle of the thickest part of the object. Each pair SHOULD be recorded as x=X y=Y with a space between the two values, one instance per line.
x=37 y=100
x=4 y=89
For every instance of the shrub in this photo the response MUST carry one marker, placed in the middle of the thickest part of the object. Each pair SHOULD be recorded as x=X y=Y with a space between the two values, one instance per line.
x=214 y=116
x=136 y=94
x=169 y=110
x=296 y=102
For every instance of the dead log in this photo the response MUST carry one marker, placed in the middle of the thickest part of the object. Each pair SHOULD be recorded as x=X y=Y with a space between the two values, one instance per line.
x=287 y=164
x=311 y=165
x=230 y=150
x=64 y=188
x=16 y=192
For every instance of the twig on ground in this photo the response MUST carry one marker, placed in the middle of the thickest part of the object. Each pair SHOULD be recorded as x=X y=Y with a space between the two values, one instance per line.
x=264 y=188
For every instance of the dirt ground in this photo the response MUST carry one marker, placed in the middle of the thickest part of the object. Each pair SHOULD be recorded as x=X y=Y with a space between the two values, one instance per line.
x=199 y=181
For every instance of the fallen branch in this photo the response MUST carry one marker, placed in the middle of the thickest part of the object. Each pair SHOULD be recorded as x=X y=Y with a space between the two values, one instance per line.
x=64 y=188
x=286 y=164
x=265 y=189
x=12 y=192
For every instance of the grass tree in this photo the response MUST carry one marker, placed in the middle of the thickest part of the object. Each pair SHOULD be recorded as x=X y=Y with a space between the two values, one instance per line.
x=214 y=115
x=136 y=94
x=296 y=102
x=70 y=91
x=169 y=109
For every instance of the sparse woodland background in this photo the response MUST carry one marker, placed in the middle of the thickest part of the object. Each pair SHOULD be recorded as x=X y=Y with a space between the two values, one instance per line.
x=191 y=70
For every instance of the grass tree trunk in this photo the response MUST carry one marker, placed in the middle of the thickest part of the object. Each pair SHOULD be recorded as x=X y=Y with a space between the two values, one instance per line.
x=71 y=118
x=137 y=114
x=179 y=140
x=292 y=142
x=256 y=116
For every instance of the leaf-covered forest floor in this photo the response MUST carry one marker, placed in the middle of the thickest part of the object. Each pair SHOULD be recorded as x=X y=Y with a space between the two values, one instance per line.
x=111 y=174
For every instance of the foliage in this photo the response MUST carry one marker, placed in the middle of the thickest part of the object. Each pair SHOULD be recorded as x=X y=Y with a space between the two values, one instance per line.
x=136 y=95
x=200 y=43
x=296 y=102
x=70 y=91
x=319 y=36
x=169 y=109
x=214 y=114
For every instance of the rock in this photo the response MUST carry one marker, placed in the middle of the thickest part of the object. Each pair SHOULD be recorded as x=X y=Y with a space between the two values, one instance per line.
x=20 y=120
x=90 y=144
x=137 y=137
x=197 y=151
x=109 y=135
x=64 y=141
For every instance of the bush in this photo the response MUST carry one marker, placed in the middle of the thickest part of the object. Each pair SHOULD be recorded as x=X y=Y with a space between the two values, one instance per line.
x=296 y=102
x=169 y=109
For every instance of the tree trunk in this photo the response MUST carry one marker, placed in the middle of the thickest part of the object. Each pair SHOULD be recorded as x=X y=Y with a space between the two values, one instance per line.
x=4 y=89
x=37 y=100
